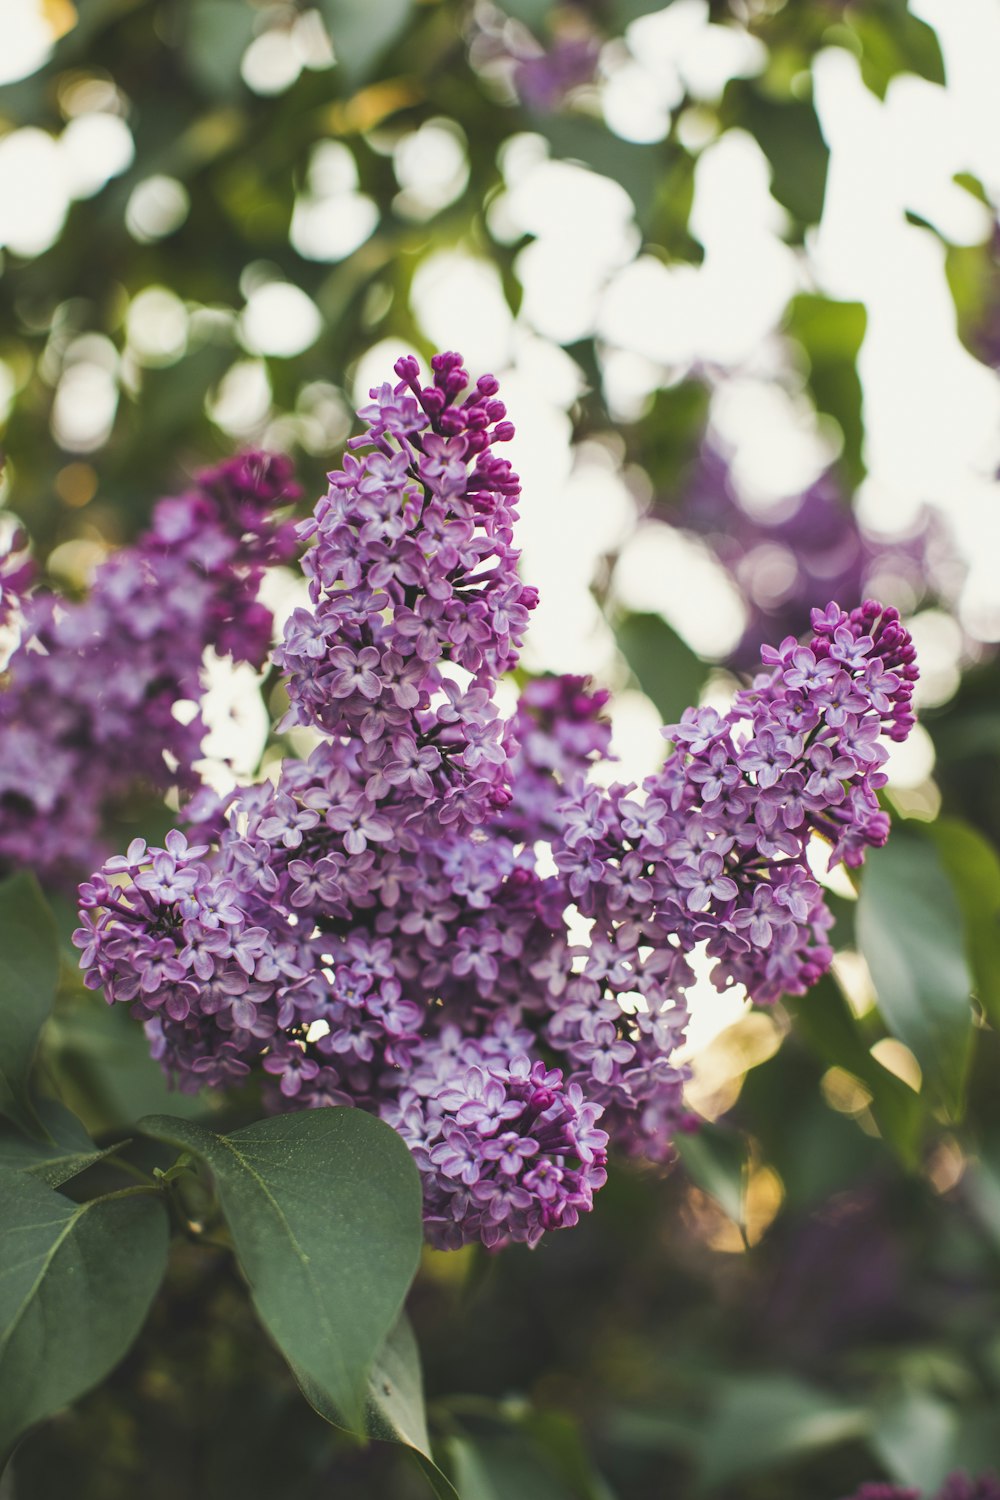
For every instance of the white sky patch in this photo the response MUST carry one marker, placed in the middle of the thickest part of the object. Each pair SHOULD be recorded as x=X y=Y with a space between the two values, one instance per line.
x=95 y=148
x=460 y=304
x=237 y=721
x=34 y=191
x=666 y=572
x=279 y=319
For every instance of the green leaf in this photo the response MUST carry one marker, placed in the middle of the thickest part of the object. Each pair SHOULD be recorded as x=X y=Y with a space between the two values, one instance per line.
x=394 y=1410
x=19 y=1153
x=823 y=1019
x=216 y=34
x=974 y=869
x=914 y=1436
x=788 y=132
x=762 y=1420
x=76 y=1283
x=909 y=928
x=324 y=1208
x=29 y=973
x=665 y=667
x=831 y=334
x=717 y=1161
x=892 y=42
x=362 y=31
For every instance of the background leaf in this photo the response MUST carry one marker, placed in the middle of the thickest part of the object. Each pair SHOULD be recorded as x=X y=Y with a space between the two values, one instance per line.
x=75 y=1286
x=29 y=973
x=665 y=667
x=362 y=30
x=974 y=868
x=762 y=1420
x=909 y=929
x=324 y=1208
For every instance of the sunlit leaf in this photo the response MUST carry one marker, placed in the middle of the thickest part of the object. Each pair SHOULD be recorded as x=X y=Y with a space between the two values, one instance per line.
x=909 y=929
x=717 y=1160
x=974 y=869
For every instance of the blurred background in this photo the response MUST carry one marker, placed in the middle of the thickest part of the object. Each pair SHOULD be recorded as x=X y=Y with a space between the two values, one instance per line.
x=734 y=263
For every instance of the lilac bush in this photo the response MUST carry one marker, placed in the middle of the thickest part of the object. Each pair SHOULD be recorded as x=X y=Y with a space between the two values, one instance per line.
x=87 y=710
x=394 y=923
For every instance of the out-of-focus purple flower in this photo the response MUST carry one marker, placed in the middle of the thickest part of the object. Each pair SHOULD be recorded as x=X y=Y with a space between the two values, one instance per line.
x=543 y=80
x=809 y=547
x=87 y=711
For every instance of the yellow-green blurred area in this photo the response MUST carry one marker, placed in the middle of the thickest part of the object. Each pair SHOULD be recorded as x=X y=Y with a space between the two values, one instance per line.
x=745 y=239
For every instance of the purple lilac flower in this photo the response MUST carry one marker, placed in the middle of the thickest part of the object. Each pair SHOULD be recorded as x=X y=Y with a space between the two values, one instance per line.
x=389 y=924
x=87 y=711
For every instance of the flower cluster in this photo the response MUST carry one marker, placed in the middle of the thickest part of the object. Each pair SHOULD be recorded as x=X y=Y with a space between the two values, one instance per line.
x=88 y=708
x=398 y=921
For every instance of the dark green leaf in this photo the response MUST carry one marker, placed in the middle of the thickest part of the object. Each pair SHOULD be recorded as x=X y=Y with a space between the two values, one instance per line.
x=665 y=667
x=670 y=434
x=909 y=929
x=75 y=1286
x=788 y=132
x=394 y=1411
x=29 y=973
x=761 y=1420
x=50 y=1163
x=362 y=30
x=831 y=334
x=324 y=1208
x=216 y=35
x=974 y=869
x=717 y=1161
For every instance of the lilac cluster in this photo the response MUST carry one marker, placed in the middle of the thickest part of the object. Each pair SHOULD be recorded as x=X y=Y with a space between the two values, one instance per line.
x=716 y=851
x=87 y=710
x=956 y=1487
x=398 y=921
x=811 y=547
x=417 y=609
